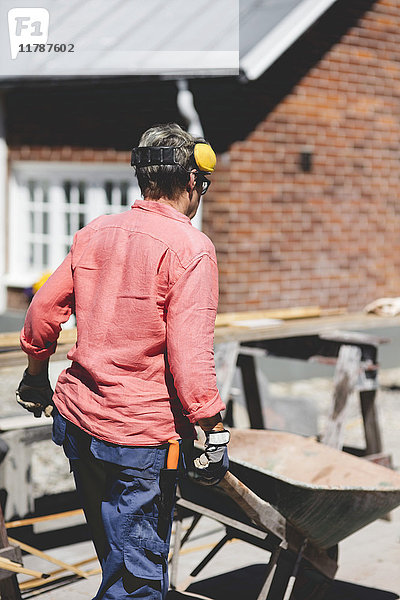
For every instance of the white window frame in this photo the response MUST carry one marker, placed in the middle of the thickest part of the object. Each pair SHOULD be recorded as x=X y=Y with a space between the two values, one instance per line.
x=26 y=209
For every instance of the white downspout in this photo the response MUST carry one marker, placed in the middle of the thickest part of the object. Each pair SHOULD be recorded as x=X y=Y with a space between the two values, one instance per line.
x=3 y=201
x=185 y=102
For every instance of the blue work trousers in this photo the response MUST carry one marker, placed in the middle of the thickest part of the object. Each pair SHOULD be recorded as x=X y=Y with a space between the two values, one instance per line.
x=120 y=493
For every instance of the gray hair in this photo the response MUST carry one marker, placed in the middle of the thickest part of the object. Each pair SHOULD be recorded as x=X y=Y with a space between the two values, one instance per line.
x=167 y=181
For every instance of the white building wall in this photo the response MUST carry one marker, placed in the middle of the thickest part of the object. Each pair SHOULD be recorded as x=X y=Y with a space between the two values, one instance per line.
x=3 y=204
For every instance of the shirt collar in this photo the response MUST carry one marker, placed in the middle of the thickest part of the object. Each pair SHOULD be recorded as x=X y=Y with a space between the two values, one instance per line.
x=163 y=209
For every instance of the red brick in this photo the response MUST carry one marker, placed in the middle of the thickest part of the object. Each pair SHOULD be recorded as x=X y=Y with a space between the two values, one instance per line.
x=331 y=236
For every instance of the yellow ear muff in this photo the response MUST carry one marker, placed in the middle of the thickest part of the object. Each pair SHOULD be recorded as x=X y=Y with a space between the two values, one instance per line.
x=204 y=157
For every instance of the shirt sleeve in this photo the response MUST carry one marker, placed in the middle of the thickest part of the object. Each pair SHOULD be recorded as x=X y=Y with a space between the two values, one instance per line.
x=51 y=306
x=191 y=310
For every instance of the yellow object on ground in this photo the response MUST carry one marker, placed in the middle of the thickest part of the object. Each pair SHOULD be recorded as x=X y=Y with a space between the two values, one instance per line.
x=38 y=284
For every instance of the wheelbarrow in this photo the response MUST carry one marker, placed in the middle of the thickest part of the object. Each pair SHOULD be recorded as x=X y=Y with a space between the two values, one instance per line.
x=295 y=498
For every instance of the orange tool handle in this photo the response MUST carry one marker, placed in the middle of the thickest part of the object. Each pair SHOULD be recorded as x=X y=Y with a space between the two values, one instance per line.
x=173 y=454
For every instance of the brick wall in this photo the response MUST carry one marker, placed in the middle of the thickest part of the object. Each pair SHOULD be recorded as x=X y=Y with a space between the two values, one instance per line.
x=284 y=237
x=67 y=154
x=330 y=236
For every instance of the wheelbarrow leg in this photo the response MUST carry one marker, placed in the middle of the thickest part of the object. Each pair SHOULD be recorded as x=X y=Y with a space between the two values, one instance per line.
x=210 y=555
x=193 y=524
x=283 y=572
x=269 y=575
x=287 y=566
x=178 y=543
x=176 y=549
x=204 y=562
x=310 y=583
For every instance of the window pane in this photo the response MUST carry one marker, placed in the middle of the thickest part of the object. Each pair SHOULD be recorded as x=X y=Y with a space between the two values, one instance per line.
x=45 y=255
x=75 y=196
x=31 y=188
x=31 y=254
x=124 y=193
x=81 y=189
x=108 y=186
x=67 y=191
x=45 y=191
x=68 y=223
x=45 y=223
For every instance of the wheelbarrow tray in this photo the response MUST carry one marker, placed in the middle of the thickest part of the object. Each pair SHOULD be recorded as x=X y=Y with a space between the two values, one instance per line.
x=324 y=493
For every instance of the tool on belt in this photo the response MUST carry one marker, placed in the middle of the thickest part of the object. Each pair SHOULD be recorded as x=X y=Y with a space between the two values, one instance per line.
x=168 y=480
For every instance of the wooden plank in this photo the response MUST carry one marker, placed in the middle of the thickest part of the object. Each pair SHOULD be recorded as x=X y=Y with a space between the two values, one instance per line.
x=310 y=326
x=22 y=422
x=49 y=558
x=9 y=565
x=95 y=571
x=345 y=380
x=371 y=424
x=68 y=336
x=228 y=319
x=13 y=553
x=11 y=339
x=33 y=520
x=354 y=337
x=57 y=574
x=289 y=328
x=36 y=582
x=16 y=357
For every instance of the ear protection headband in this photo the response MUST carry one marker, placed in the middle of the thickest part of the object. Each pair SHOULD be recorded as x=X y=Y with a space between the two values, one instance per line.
x=147 y=156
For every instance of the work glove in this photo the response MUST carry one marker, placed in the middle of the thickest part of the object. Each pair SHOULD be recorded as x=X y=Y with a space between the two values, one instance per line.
x=35 y=394
x=211 y=466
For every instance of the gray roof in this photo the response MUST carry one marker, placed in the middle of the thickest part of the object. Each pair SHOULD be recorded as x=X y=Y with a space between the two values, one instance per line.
x=155 y=37
x=269 y=27
x=258 y=18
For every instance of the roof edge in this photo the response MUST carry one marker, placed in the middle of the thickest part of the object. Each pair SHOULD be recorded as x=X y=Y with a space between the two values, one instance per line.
x=273 y=45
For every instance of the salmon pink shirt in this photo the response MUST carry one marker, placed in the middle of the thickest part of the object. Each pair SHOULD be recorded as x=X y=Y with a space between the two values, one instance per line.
x=144 y=287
